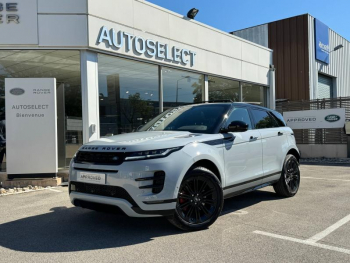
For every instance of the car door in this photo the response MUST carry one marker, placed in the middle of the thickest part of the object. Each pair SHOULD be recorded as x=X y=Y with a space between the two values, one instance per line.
x=242 y=154
x=274 y=142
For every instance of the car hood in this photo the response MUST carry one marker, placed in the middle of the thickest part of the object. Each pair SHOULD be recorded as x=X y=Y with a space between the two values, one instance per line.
x=148 y=140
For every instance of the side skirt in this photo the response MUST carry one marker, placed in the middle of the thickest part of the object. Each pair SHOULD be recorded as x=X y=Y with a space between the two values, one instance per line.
x=251 y=181
x=250 y=189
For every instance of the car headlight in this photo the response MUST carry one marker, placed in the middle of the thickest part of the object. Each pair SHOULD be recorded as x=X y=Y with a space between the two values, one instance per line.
x=150 y=154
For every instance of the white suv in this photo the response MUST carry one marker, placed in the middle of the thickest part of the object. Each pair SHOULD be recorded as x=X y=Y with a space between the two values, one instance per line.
x=183 y=163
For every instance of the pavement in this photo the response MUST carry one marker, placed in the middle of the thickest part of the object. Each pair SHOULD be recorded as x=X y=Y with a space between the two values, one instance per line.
x=313 y=226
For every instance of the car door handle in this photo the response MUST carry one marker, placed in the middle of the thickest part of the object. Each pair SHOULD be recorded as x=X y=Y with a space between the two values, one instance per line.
x=280 y=133
x=230 y=139
x=253 y=138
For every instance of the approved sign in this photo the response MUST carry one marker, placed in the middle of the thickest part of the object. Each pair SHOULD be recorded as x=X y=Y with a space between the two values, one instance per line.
x=315 y=119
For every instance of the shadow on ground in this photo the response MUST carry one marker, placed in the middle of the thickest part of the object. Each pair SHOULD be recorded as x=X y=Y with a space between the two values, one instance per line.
x=76 y=229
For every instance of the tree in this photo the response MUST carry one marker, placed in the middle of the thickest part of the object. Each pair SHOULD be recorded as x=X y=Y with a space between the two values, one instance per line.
x=135 y=108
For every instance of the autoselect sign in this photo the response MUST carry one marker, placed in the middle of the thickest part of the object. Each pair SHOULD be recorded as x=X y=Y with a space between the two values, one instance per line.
x=321 y=42
x=315 y=119
x=148 y=47
x=31 y=126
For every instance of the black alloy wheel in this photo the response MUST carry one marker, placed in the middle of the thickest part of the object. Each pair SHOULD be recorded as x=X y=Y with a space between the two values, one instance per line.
x=199 y=201
x=292 y=175
x=288 y=185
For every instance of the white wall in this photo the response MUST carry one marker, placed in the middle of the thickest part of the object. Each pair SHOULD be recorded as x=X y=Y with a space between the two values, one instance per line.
x=218 y=52
x=62 y=23
x=46 y=24
x=76 y=24
x=62 y=6
x=26 y=31
x=323 y=150
x=62 y=30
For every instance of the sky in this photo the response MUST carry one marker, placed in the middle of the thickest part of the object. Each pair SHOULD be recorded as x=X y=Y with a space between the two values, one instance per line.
x=231 y=15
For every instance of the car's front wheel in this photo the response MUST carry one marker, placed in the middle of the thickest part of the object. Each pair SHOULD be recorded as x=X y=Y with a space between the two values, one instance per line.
x=288 y=184
x=199 y=202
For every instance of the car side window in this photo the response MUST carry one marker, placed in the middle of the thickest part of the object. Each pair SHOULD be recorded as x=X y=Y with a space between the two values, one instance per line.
x=263 y=120
x=279 y=118
x=240 y=114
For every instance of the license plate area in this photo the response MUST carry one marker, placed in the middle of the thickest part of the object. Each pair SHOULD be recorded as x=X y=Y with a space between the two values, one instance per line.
x=92 y=178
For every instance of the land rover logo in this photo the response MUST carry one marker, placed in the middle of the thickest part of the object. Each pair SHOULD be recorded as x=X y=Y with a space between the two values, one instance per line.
x=115 y=158
x=17 y=91
x=332 y=118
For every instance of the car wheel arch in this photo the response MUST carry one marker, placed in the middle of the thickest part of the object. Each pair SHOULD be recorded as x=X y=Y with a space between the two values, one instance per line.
x=295 y=153
x=208 y=165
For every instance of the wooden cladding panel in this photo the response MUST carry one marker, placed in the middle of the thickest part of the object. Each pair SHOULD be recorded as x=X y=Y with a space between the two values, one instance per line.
x=289 y=40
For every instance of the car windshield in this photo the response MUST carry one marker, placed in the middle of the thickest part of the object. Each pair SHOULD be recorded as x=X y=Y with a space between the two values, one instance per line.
x=192 y=118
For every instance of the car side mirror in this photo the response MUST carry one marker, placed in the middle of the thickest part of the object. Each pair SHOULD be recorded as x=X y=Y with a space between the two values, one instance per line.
x=237 y=126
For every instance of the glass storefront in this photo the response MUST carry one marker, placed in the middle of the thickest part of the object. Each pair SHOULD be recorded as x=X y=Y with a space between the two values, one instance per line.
x=254 y=94
x=65 y=67
x=129 y=94
x=181 y=87
x=223 y=89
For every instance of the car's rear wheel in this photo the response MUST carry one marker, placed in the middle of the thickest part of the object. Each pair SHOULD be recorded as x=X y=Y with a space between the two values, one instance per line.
x=288 y=184
x=199 y=202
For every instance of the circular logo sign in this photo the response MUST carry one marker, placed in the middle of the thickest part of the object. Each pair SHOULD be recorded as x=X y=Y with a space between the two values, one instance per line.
x=17 y=91
x=332 y=118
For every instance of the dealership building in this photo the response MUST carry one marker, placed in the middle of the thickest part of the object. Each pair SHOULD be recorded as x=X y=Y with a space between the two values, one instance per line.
x=117 y=65
x=312 y=61
x=312 y=65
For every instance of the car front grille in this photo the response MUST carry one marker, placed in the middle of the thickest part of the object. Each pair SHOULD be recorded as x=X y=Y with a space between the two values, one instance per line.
x=102 y=190
x=100 y=158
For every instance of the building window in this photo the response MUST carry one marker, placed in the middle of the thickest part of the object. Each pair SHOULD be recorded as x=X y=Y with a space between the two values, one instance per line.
x=181 y=87
x=64 y=65
x=254 y=94
x=129 y=94
x=223 y=89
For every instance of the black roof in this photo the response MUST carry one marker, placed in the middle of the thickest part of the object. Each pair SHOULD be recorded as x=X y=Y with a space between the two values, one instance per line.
x=235 y=104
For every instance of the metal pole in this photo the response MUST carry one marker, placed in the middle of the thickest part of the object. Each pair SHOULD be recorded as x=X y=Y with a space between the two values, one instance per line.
x=177 y=90
x=205 y=95
x=177 y=87
x=240 y=91
x=160 y=86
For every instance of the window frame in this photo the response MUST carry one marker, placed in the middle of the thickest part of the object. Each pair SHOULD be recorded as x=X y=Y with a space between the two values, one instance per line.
x=276 y=119
x=268 y=113
x=225 y=123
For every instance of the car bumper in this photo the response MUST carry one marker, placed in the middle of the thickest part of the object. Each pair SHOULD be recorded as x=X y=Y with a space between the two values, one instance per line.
x=140 y=201
x=125 y=206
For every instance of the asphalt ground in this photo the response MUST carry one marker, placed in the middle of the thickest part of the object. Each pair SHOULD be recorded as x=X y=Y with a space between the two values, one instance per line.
x=313 y=226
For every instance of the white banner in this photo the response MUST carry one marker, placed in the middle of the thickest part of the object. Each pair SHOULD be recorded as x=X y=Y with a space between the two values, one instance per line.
x=315 y=119
x=31 y=126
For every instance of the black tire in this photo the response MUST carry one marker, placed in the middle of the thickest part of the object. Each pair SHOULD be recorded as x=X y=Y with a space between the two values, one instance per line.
x=288 y=184
x=199 y=202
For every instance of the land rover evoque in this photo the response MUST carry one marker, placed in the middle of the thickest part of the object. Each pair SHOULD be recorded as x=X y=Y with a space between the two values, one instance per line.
x=185 y=162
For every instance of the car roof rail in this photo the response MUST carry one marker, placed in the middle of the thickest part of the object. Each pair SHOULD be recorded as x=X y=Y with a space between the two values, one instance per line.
x=214 y=101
